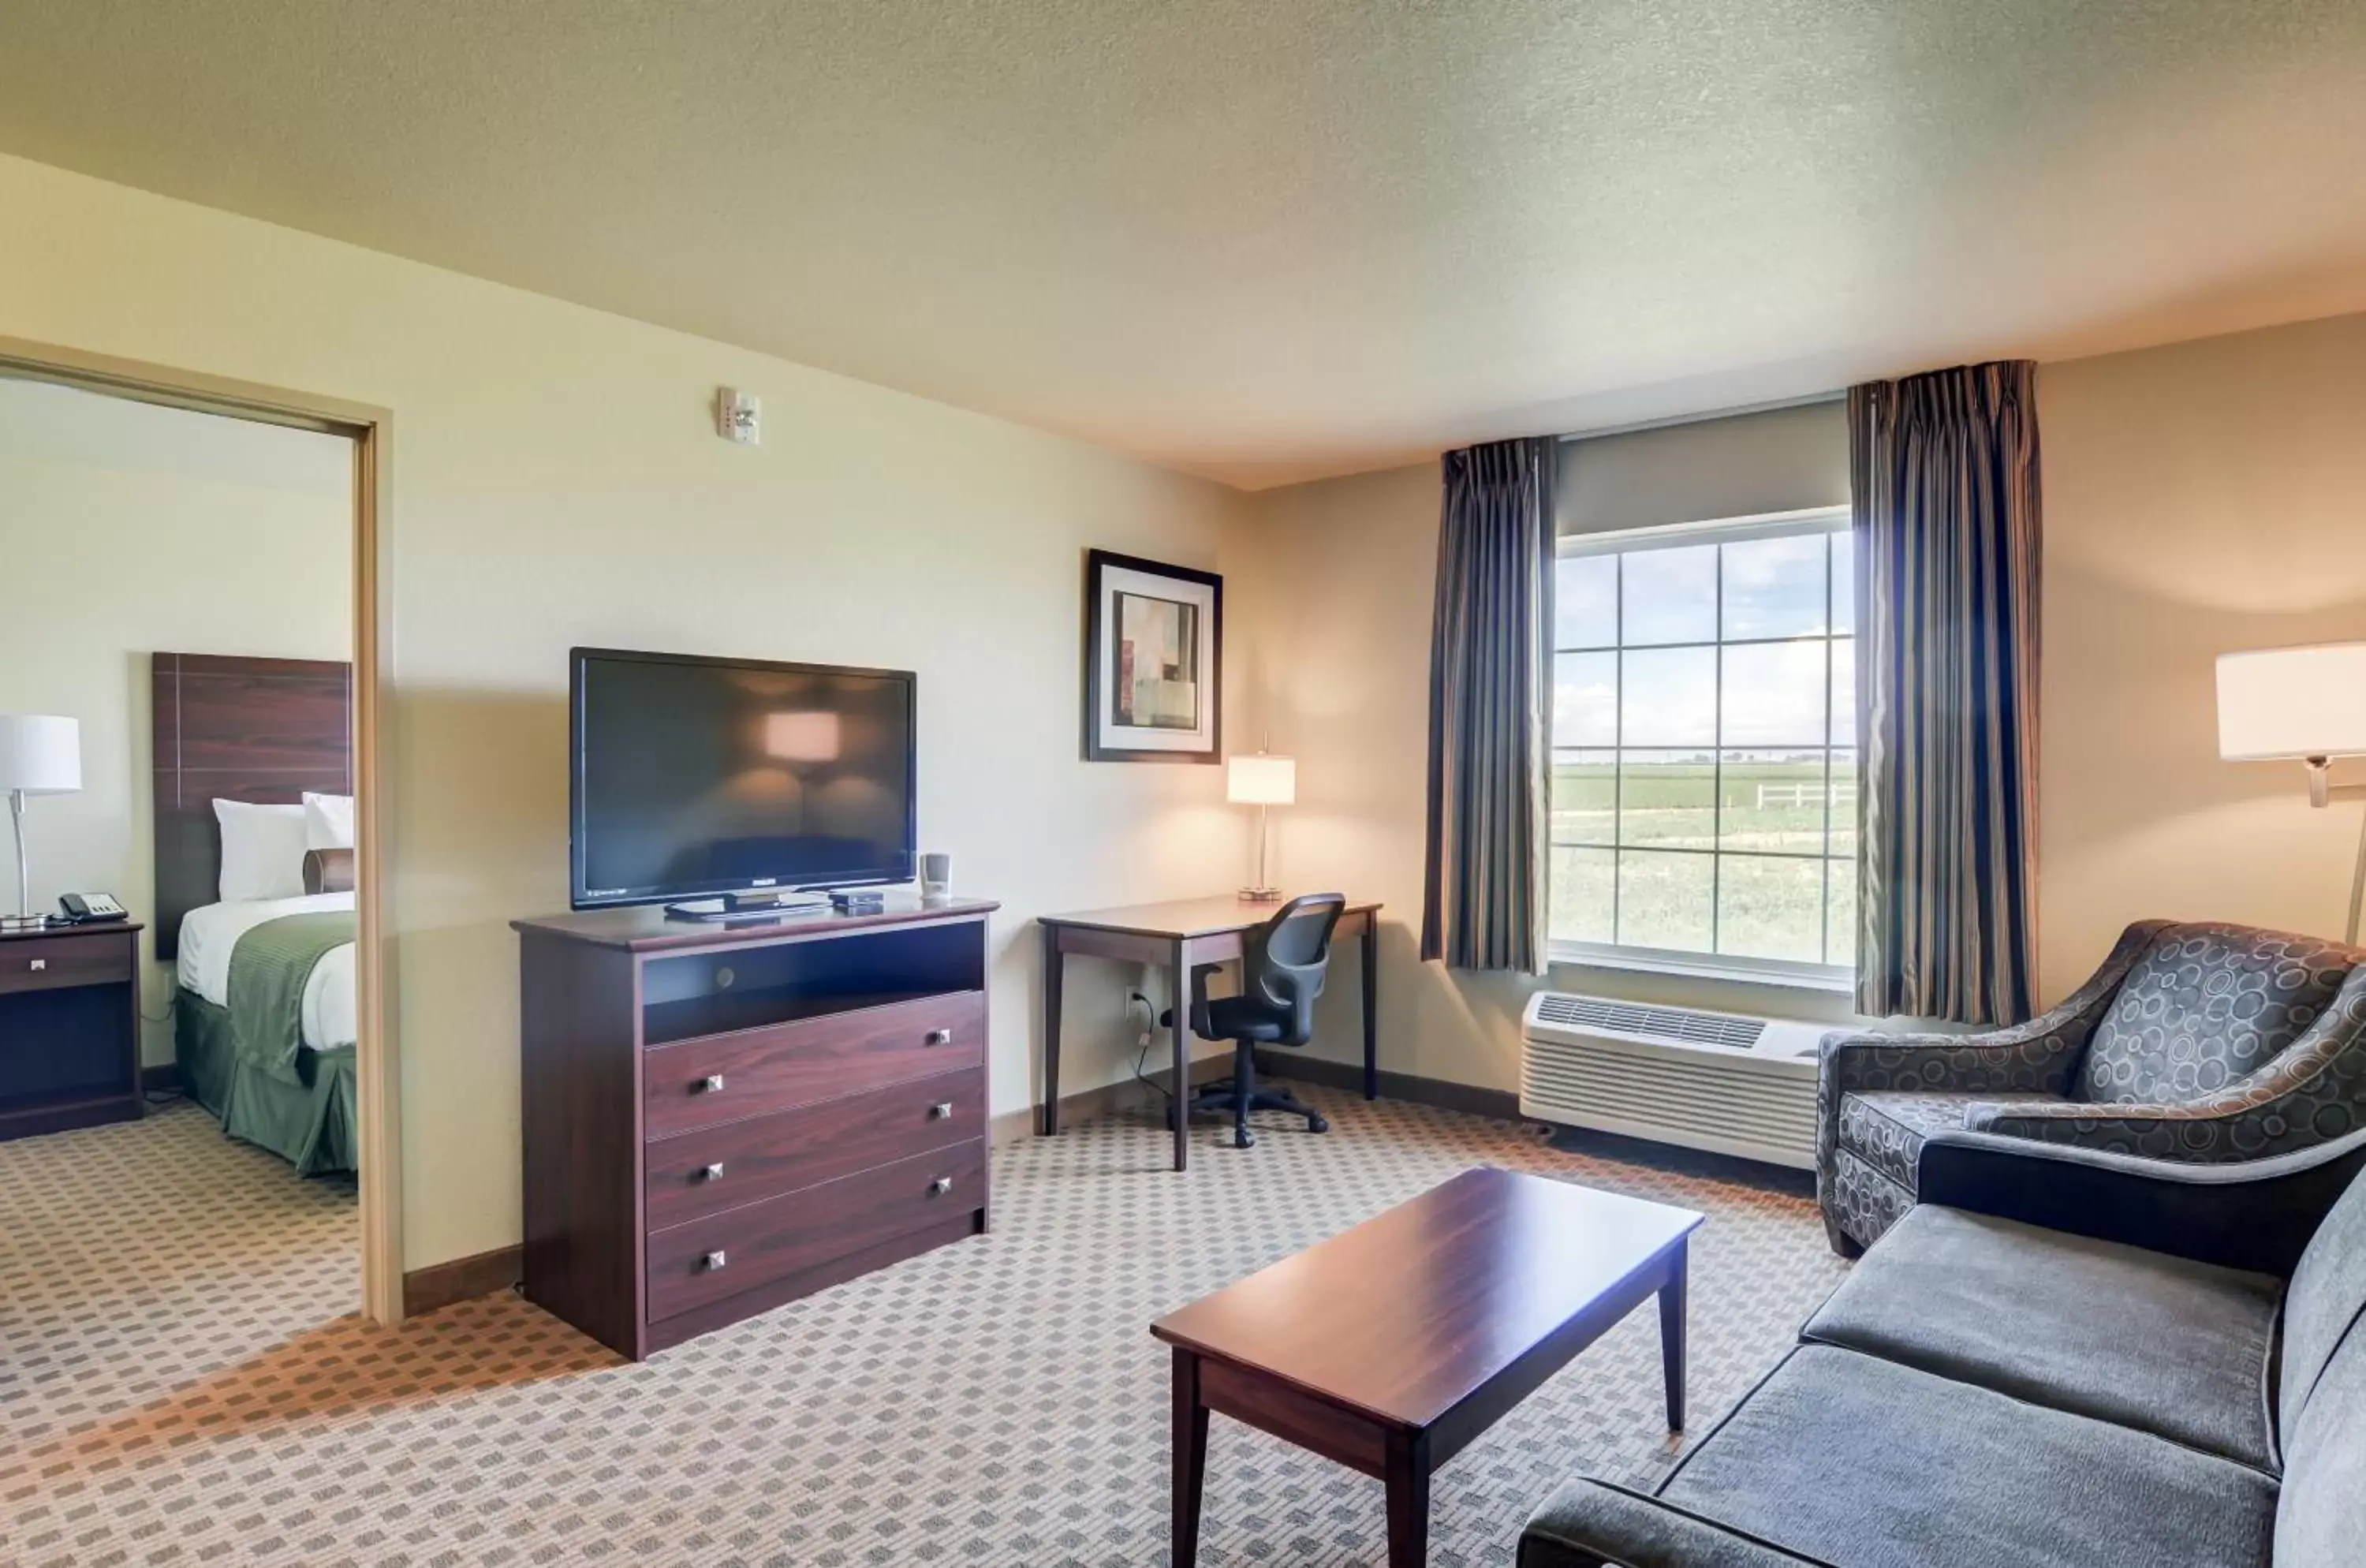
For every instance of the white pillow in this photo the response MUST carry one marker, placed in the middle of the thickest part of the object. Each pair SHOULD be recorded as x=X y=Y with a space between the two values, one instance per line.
x=328 y=821
x=262 y=851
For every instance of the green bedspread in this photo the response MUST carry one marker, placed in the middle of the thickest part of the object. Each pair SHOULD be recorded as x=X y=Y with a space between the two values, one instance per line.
x=268 y=969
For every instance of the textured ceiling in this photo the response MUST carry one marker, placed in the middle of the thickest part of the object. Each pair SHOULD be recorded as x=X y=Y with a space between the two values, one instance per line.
x=1263 y=240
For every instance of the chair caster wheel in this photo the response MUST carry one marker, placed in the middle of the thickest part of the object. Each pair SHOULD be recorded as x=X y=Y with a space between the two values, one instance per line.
x=1244 y=1139
x=1317 y=1124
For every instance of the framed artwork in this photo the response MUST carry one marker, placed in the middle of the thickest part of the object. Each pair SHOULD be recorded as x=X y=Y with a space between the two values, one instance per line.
x=1153 y=661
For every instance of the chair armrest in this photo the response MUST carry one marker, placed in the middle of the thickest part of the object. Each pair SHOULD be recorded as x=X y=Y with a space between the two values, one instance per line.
x=1596 y=1525
x=2255 y=1215
x=1200 y=972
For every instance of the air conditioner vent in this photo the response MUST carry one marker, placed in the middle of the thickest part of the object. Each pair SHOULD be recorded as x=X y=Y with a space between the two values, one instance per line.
x=1649 y=1022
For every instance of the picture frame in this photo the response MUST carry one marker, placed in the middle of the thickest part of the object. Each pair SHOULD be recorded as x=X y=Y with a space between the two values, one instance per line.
x=1153 y=661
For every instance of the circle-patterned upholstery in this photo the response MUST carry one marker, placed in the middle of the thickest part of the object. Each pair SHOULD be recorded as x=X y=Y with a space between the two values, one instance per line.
x=2205 y=1005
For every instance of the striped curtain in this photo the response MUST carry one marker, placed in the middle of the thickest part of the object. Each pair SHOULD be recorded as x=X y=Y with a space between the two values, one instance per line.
x=1945 y=475
x=1489 y=694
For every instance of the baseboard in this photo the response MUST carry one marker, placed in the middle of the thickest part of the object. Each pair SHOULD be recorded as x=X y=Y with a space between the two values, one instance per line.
x=1499 y=1103
x=160 y=1079
x=1123 y=1094
x=461 y=1279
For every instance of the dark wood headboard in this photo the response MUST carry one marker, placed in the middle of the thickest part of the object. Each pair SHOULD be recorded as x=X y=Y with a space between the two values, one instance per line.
x=256 y=730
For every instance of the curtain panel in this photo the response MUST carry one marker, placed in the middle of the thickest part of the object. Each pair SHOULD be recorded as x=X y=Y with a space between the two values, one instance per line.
x=1945 y=470
x=1490 y=692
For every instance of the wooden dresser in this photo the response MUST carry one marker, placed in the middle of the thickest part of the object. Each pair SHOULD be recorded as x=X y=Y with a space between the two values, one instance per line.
x=719 y=1120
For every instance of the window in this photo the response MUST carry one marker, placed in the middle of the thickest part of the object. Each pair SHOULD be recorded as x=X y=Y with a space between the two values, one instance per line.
x=1704 y=769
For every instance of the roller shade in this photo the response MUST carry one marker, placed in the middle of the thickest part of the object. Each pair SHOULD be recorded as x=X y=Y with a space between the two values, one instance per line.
x=1742 y=466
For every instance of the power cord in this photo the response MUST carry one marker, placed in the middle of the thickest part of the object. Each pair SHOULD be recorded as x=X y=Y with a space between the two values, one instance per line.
x=1143 y=1040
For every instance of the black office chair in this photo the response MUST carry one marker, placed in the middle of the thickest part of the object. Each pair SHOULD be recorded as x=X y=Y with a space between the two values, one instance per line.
x=1282 y=963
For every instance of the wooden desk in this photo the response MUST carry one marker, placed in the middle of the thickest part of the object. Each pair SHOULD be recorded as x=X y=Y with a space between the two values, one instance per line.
x=1180 y=935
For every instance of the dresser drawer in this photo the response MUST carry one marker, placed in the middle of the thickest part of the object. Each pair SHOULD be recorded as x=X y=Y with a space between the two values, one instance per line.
x=49 y=963
x=723 y=1077
x=738 y=1249
x=740 y=1162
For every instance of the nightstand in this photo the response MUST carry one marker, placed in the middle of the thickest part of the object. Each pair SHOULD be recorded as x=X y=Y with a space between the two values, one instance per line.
x=69 y=1028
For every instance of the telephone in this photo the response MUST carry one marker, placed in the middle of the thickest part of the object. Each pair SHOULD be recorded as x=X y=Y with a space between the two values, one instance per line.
x=88 y=909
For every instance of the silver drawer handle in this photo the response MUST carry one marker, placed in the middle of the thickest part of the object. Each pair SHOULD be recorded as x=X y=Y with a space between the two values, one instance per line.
x=711 y=1084
x=40 y=964
x=940 y=1037
x=941 y=1111
x=713 y=1172
x=940 y=1186
x=714 y=1260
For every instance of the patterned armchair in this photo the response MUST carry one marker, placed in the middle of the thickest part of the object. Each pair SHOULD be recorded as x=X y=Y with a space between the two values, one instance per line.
x=2196 y=1043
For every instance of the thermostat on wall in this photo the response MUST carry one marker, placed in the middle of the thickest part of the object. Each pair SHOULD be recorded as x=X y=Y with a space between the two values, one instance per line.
x=739 y=416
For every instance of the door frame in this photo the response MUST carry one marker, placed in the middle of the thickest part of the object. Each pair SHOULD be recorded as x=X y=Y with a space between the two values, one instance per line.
x=377 y=1045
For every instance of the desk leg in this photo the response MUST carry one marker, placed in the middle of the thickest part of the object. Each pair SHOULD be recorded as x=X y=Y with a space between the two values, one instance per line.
x=1190 y=1457
x=1407 y=1464
x=1371 y=979
x=1055 y=962
x=1672 y=1334
x=1178 y=963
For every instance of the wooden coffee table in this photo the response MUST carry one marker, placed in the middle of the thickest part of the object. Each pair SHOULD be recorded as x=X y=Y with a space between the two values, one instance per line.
x=1390 y=1347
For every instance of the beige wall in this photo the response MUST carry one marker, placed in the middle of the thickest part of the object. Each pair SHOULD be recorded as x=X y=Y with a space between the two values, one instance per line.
x=557 y=480
x=2200 y=498
x=126 y=529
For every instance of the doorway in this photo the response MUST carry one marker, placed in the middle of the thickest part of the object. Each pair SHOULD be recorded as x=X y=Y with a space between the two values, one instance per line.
x=251 y=710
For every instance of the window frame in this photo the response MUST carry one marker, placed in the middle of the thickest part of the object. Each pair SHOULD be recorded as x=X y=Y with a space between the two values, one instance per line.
x=1792 y=973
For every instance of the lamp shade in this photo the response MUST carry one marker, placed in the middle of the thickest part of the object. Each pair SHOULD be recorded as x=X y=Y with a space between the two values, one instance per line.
x=1260 y=780
x=2293 y=702
x=41 y=753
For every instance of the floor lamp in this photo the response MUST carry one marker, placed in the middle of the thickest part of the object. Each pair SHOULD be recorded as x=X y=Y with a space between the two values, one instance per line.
x=2305 y=704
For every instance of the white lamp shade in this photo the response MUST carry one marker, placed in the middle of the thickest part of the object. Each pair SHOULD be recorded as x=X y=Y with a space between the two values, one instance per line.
x=2293 y=702
x=1260 y=780
x=41 y=753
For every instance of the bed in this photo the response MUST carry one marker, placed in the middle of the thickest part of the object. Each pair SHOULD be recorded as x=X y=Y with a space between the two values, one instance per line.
x=264 y=1003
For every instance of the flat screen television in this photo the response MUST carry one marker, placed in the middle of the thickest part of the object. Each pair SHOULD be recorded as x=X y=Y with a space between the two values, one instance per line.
x=694 y=777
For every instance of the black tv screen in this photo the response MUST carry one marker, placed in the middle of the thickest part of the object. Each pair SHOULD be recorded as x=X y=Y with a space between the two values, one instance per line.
x=699 y=776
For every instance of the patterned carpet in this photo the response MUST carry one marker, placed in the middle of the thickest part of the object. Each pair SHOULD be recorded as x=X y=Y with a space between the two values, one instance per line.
x=176 y=1388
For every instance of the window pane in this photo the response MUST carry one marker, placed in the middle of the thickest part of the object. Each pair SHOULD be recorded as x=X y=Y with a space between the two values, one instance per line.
x=1774 y=587
x=1585 y=797
x=1775 y=695
x=1668 y=697
x=1585 y=699
x=1581 y=893
x=1843 y=800
x=1663 y=900
x=1667 y=798
x=1669 y=595
x=1844 y=690
x=1844 y=581
x=1586 y=601
x=1774 y=802
x=1770 y=909
x=1840 y=919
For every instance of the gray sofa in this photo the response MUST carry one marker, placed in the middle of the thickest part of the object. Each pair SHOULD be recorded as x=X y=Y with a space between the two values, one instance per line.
x=2197 y=1043
x=2063 y=1358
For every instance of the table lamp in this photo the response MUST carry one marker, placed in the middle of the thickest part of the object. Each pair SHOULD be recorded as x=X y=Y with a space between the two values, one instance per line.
x=39 y=754
x=1264 y=782
x=2305 y=704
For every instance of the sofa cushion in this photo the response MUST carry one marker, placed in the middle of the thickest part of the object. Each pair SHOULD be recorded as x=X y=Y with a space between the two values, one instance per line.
x=2204 y=1006
x=2327 y=1300
x=1867 y=1463
x=1886 y=1127
x=2322 y=1520
x=2174 y=1348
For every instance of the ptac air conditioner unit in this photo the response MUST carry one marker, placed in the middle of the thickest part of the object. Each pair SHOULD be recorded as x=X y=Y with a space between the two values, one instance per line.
x=1706 y=1080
